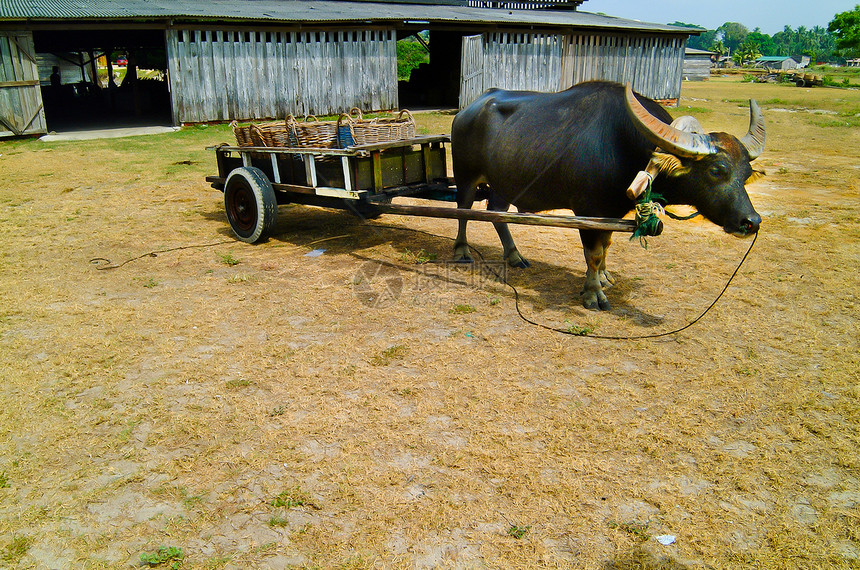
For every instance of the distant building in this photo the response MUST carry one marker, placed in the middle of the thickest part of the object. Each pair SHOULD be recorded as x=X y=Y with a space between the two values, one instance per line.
x=853 y=63
x=697 y=64
x=777 y=62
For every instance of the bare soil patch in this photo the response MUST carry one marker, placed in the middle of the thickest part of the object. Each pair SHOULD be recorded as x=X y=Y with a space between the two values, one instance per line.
x=255 y=407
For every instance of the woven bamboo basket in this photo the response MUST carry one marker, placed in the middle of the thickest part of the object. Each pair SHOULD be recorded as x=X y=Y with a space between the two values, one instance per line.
x=245 y=134
x=350 y=129
x=369 y=131
x=311 y=133
x=274 y=134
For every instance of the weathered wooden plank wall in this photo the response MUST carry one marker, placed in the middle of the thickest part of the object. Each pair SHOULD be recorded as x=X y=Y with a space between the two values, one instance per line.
x=697 y=67
x=471 y=69
x=523 y=61
x=652 y=64
x=250 y=74
x=21 y=111
x=551 y=62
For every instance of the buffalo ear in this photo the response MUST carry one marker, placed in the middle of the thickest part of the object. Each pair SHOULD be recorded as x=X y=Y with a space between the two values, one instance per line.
x=669 y=164
x=756 y=175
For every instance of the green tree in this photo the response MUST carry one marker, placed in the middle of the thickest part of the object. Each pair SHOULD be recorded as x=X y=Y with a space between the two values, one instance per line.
x=826 y=50
x=746 y=53
x=763 y=41
x=846 y=27
x=703 y=41
x=410 y=54
x=818 y=43
x=783 y=41
x=732 y=35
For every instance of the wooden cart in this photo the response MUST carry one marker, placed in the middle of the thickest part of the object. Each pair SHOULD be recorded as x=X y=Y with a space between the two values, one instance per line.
x=362 y=179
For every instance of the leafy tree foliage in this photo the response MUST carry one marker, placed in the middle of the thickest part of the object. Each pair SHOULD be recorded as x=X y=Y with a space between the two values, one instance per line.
x=817 y=42
x=762 y=41
x=845 y=26
x=410 y=54
x=746 y=52
x=703 y=41
x=732 y=35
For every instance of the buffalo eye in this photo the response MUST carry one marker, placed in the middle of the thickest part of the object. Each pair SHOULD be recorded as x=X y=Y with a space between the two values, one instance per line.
x=718 y=171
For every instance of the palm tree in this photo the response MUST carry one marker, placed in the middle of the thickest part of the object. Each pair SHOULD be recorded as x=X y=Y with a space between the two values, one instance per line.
x=747 y=52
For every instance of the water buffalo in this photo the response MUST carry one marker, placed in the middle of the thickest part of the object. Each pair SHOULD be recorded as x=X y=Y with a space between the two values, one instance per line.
x=579 y=149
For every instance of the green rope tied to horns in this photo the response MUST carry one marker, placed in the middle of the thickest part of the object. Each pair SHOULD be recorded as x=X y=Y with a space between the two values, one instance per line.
x=648 y=211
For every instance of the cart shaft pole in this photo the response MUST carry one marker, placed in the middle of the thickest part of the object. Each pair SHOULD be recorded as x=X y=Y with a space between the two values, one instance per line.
x=580 y=223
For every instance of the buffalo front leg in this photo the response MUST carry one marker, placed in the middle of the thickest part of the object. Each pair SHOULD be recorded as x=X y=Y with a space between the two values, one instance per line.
x=465 y=198
x=595 y=245
x=511 y=254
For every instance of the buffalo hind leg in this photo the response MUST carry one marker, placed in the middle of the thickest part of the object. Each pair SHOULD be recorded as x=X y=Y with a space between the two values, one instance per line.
x=465 y=199
x=595 y=245
x=511 y=254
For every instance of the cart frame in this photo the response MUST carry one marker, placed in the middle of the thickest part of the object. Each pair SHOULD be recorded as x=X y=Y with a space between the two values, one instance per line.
x=362 y=179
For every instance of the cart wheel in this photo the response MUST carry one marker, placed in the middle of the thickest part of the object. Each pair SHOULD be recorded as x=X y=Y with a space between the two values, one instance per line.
x=250 y=203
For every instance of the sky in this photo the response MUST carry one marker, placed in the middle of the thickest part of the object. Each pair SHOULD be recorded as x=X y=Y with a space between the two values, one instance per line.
x=771 y=16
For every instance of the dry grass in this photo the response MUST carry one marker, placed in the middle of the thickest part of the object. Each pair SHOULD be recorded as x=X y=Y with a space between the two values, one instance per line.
x=254 y=414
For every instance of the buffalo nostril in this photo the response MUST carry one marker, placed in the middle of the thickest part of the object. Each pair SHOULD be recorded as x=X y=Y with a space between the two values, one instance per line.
x=751 y=224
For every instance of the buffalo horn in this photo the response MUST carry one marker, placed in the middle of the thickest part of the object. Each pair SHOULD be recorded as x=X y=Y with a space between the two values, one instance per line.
x=668 y=138
x=754 y=139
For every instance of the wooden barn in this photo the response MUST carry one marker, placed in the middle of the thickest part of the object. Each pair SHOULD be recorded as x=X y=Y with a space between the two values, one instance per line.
x=778 y=62
x=697 y=64
x=215 y=60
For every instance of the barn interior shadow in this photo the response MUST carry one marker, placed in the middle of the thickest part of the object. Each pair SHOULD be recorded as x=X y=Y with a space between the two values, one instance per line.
x=540 y=287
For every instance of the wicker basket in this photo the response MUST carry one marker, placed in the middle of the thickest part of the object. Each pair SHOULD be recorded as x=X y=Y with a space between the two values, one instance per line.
x=311 y=133
x=350 y=129
x=369 y=131
x=269 y=134
x=245 y=134
x=273 y=134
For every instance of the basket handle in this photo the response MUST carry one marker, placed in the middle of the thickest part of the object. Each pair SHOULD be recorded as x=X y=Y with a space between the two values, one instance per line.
x=290 y=123
x=344 y=119
x=259 y=133
x=355 y=111
x=408 y=115
x=346 y=122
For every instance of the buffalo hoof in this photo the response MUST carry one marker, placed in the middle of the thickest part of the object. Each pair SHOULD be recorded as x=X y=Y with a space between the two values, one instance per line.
x=606 y=279
x=517 y=260
x=462 y=255
x=595 y=301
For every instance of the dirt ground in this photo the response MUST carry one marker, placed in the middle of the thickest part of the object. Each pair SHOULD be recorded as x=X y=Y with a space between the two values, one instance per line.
x=253 y=406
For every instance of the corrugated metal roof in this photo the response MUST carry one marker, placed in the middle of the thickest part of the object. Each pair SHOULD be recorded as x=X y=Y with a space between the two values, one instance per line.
x=315 y=11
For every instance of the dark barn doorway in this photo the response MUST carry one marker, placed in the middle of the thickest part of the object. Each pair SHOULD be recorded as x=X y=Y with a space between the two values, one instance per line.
x=435 y=82
x=96 y=79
